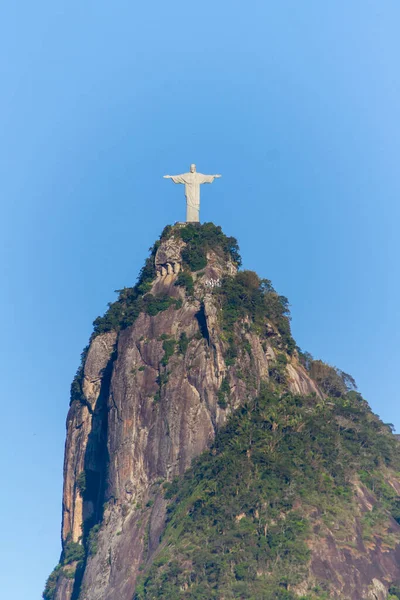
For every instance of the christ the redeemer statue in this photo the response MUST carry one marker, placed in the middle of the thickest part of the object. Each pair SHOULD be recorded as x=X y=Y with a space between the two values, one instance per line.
x=192 y=181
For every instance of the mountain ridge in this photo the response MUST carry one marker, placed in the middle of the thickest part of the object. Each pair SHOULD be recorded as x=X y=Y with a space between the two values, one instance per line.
x=168 y=369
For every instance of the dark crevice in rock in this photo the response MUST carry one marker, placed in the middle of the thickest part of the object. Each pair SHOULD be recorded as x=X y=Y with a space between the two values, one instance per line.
x=202 y=321
x=115 y=407
x=96 y=469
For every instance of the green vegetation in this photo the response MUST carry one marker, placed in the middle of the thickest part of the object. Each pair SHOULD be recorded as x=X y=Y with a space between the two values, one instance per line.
x=73 y=551
x=183 y=343
x=92 y=539
x=278 y=373
x=76 y=392
x=185 y=280
x=247 y=296
x=199 y=239
x=152 y=305
x=330 y=380
x=73 y=555
x=238 y=521
x=126 y=309
x=224 y=393
x=277 y=369
x=389 y=501
x=169 y=349
x=394 y=592
x=195 y=257
x=51 y=583
x=81 y=483
x=162 y=379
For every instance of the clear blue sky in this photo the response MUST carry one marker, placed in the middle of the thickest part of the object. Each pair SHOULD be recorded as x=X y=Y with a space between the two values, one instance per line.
x=295 y=103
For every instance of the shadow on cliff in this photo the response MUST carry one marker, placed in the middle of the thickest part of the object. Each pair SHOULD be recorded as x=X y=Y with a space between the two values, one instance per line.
x=202 y=322
x=96 y=470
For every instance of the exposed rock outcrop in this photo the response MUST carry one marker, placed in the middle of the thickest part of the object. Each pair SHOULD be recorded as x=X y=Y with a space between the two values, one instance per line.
x=86 y=435
x=168 y=258
x=152 y=401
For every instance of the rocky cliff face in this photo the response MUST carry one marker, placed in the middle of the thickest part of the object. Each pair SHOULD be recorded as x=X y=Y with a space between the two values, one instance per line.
x=160 y=377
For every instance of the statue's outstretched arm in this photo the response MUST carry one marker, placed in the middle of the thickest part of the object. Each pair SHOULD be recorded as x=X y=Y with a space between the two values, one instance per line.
x=207 y=178
x=176 y=178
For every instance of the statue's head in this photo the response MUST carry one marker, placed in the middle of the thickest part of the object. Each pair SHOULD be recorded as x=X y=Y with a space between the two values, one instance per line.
x=193 y=168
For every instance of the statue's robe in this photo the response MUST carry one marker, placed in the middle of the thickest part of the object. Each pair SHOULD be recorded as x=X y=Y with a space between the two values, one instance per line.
x=192 y=183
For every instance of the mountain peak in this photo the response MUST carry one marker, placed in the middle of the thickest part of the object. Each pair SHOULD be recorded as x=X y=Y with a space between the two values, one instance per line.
x=207 y=456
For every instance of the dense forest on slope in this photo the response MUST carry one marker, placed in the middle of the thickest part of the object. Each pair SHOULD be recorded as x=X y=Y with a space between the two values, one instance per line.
x=283 y=470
